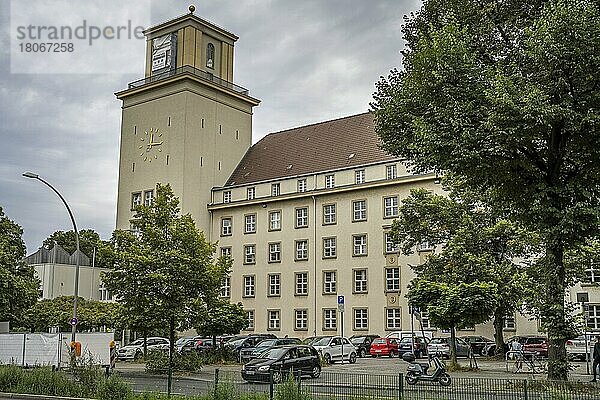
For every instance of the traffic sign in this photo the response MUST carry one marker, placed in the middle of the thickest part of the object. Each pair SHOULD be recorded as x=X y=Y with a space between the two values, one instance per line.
x=73 y=321
x=340 y=299
x=341 y=307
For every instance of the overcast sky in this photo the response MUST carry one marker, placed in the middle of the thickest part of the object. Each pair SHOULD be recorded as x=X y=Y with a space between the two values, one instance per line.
x=307 y=60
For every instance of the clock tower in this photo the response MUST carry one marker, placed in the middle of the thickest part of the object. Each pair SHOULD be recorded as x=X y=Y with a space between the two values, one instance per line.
x=185 y=123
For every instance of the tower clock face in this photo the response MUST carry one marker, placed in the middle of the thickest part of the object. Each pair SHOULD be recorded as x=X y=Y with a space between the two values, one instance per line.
x=151 y=144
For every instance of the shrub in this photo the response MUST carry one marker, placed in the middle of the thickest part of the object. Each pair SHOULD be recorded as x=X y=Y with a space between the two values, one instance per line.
x=157 y=362
x=113 y=388
x=290 y=390
x=10 y=376
x=219 y=355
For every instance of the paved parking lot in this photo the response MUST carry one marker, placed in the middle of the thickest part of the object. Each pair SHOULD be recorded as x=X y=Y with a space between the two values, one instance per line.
x=385 y=365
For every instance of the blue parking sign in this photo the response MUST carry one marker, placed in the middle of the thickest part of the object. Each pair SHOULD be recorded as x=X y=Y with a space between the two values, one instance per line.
x=340 y=299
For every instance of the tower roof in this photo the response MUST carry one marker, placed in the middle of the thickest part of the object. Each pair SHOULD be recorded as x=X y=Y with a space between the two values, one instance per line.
x=341 y=143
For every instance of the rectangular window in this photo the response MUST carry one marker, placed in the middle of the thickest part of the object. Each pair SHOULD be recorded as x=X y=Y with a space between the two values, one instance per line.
x=329 y=282
x=275 y=189
x=250 y=193
x=250 y=254
x=359 y=243
x=136 y=199
x=275 y=252
x=593 y=317
x=301 y=283
x=226 y=287
x=425 y=246
x=274 y=319
x=425 y=321
x=390 y=245
x=274 y=285
x=302 y=217
x=391 y=172
x=250 y=316
x=329 y=247
x=225 y=251
x=226 y=225
x=329 y=214
x=390 y=207
x=227 y=196
x=301 y=250
x=593 y=273
x=329 y=319
x=301 y=185
x=250 y=223
x=509 y=323
x=301 y=320
x=148 y=197
x=249 y=282
x=275 y=221
x=393 y=319
x=392 y=279
x=361 y=319
x=135 y=230
x=329 y=181
x=359 y=210
x=359 y=176
x=360 y=281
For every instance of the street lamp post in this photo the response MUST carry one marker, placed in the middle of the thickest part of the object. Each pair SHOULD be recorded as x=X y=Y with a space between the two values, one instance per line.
x=76 y=292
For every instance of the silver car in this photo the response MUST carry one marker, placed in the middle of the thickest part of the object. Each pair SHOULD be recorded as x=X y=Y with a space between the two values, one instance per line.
x=576 y=347
x=441 y=346
x=330 y=348
x=135 y=349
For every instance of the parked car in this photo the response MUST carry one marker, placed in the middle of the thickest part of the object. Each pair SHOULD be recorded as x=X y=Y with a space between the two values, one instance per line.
x=441 y=346
x=249 y=353
x=135 y=349
x=537 y=345
x=280 y=360
x=237 y=343
x=311 y=339
x=384 y=347
x=330 y=348
x=184 y=345
x=478 y=343
x=419 y=344
x=363 y=343
x=402 y=334
x=576 y=347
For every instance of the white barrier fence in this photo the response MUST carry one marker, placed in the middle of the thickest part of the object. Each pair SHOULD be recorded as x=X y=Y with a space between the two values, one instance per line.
x=35 y=349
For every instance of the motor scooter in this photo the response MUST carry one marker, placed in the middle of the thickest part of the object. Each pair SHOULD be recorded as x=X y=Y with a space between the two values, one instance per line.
x=418 y=372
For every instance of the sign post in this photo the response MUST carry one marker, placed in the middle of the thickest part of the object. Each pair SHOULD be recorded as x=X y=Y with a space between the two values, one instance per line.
x=341 y=310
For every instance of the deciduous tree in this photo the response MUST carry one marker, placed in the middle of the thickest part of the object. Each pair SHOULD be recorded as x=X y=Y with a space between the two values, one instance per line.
x=505 y=95
x=168 y=268
x=18 y=284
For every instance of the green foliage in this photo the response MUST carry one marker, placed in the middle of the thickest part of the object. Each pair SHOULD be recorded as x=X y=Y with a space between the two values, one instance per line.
x=163 y=275
x=475 y=246
x=289 y=390
x=113 y=388
x=157 y=362
x=505 y=98
x=88 y=241
x=59 y=311
x=18 y=284
x=220 y=318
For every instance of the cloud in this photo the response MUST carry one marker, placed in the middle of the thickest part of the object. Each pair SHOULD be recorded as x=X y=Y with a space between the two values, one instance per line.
x=307 y=61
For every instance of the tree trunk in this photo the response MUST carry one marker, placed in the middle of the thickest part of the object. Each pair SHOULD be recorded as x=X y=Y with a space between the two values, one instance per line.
x=171 y=351
x=145 y=333
x=555 y=313
x=499 y=319
x=453 y=360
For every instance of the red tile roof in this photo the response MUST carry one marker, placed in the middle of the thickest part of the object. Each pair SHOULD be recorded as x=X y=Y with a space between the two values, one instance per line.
x=340 y=143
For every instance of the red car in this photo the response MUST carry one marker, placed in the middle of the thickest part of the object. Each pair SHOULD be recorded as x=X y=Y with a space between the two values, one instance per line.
x=536 y=344
x=384 y=347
